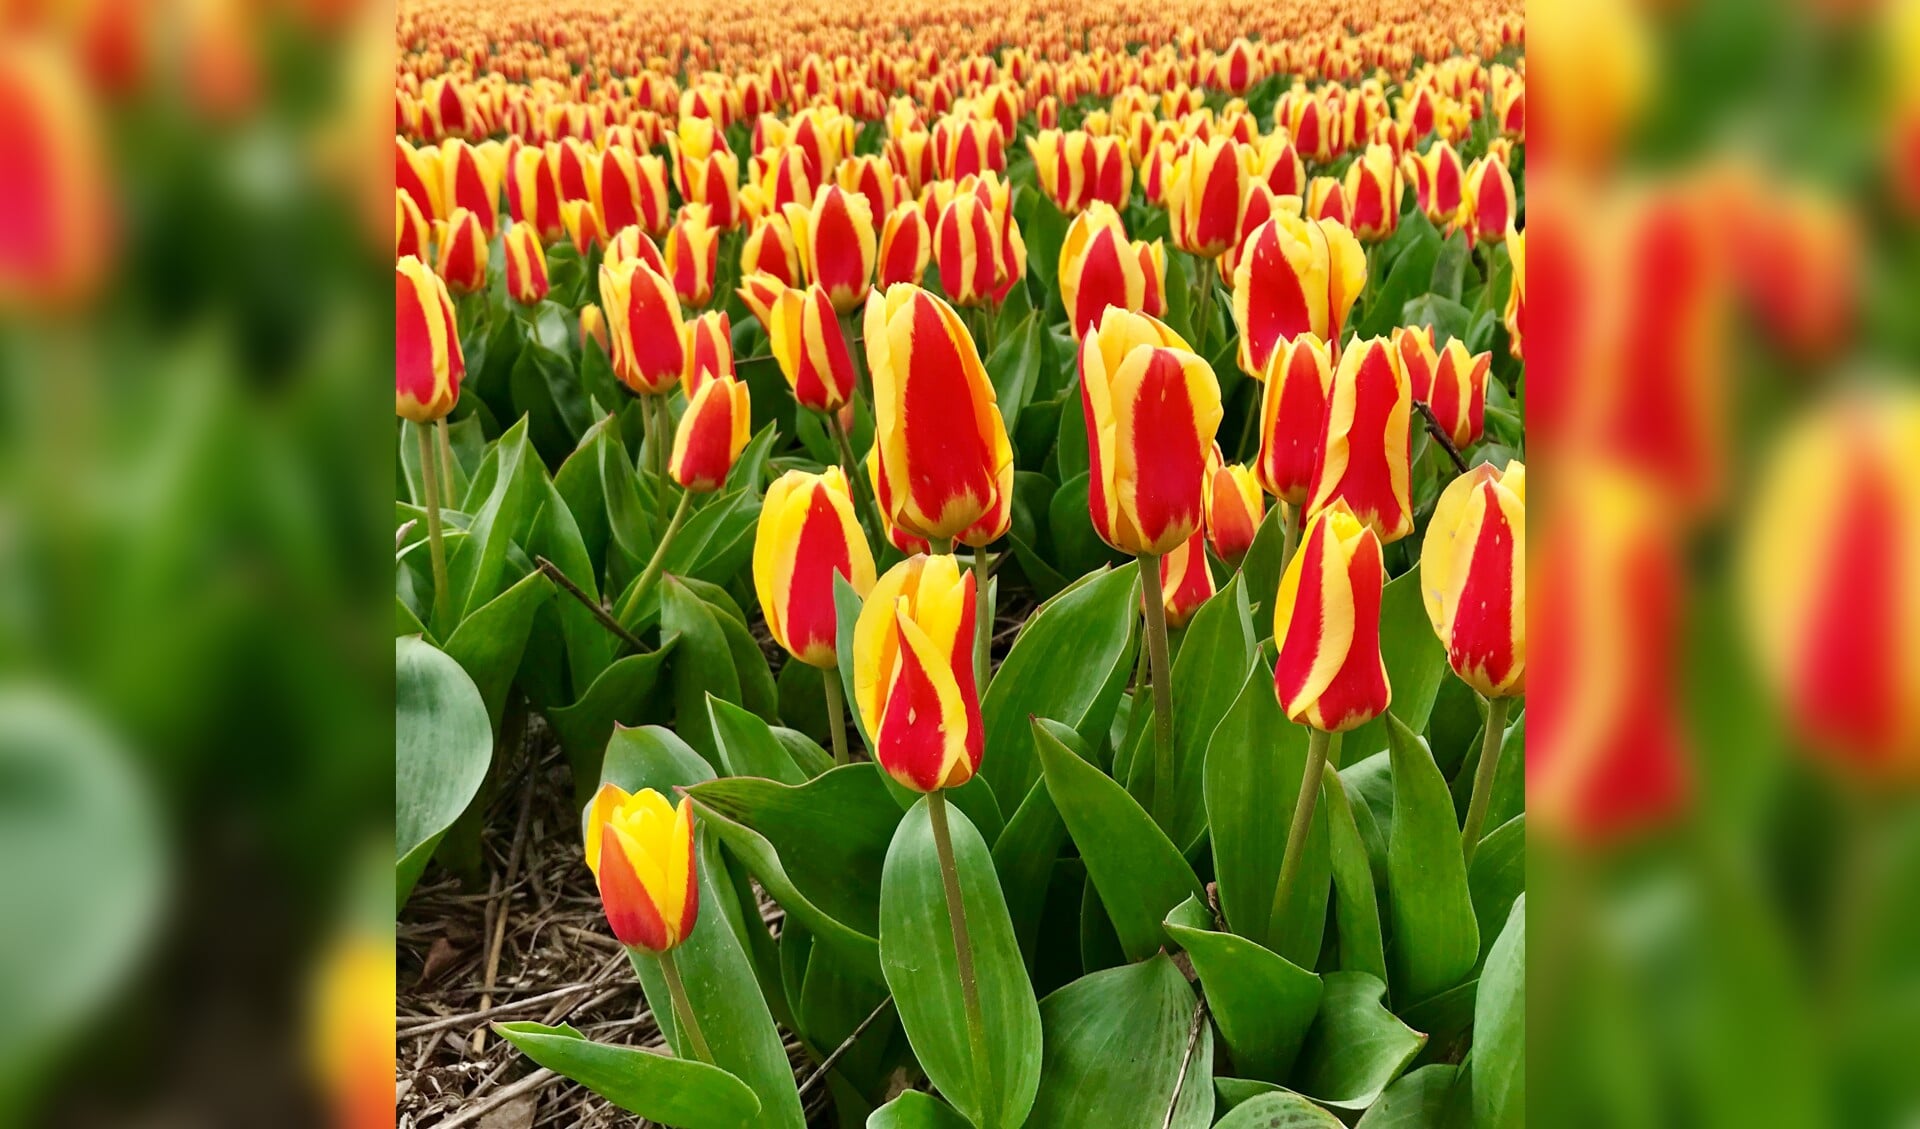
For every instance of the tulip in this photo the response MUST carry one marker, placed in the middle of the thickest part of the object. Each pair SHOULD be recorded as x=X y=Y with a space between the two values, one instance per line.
x=1077 y=168
x=1295 y=276
x=631 y=189
x=633 y=243
x=1203 y=192
x=1487 y=200
x=769 y=249
x=706 y=171
x=593 y=327
x=760 y=291
x=807 y=535
x=711 y=436
x=533 y=193
x=428 y=367
x=1438 y=180
x=782 y=178
x=967 y=248
x=1457 y=393
x=411 y=232
x=417 y=175
x=836 y=242
x=911 y=155
x=526 y=265
x=582 y=224
x=643 y=319
x=1326 y=200
x=1364 y=442
x=1259 y=207
x=943 y=451
x=914 y=673
x=906 y=246
x=871 y=177
x=1153 y=267
x=1234 y=509
x=1278 y=165
x=693 y=255
x=805 y=338
x=709 y=350
x=1099 y=268
x=463 y=253
x=1373 y=189
x=1186 y=582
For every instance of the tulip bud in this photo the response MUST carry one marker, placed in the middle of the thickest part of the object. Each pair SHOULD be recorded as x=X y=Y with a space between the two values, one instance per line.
x=1365 y=448
x=1013 y=258
x=411 y=233
x=906 y=246
x=640 y=849
x=1204 y=189
x=1153 y=267
x=808 y=534
x=761 y=292
x=428 y=361
x=1295 y=276
x=769 y=249
x=463 y=253
x=709 y=350
x=1414 y=344
x=630 y=189
x=693 y=255
x=944 y=455
x=417 y=174
x=593 y=327
x=1487 y=200
x=1152 y=407
x=836 y=241
x=711 y=435
x=1326 y=621
x=1326 y=200
x=1293 y=409
x=632 y=243
x=968 y=250
x=1278 y=165
x=533 y=193
x=526 y=265
x=1186 y=582
x=913 y=673
x=1373 y=188
x=1457 y=393
x=1098 y=268
x=582 y=224
x=1515 y=315
x=805 y=338
x=1234 y=508
x=643 y=319
x=1438 y=181
x=1473 y=577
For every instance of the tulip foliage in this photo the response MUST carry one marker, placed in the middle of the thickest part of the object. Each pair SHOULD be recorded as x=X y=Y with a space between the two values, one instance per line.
x=1050 y=517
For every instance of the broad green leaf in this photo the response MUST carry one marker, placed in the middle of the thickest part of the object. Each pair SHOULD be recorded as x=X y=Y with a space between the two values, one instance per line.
x=1253 y=772
x=805 y=751
x=1262 y=1002
x=1137 y=870
x=1497 y=878
x=1356 y=1047
x=837 y=994
x=915 y=1110
x=659 y=1087
x=1068 y=663
x=757 y=690
x=548 y=396
x=617 y=697
x=801 y=691
x=1262 y=568
x=917 y=956
x=589 y=647
x=488 y=643
x=442 y=747
x=717 y=539
x=500 y=516
x=1014 y=367
x=1409 y=276
x=1356 y=902
x=1278 y=1111
x=649 y=756
x=1122 y=1048
x=1077 y=548
x=1416 y=664
x=1500 y=1029
x=1418 y=1099
x=748 y=746
x=1435 y=939
x=702 y=663
x=1025 y=851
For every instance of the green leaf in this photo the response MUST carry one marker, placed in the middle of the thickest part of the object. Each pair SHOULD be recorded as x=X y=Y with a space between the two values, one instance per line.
x=617 y=697
x=649 y=756
x=1416 y=664
x=589 y=647
x=1356 y=903
x=1410 y=276
x=1068 y=663
x=1077 y=548
x=1253 y=772
x=511 y=476
x=1500 y=1029
x=442 y=746
x=1137 y=870
x=1356 y=1046
x=1122 y=1049
x=488 y=643
x=1497 y=877
x=1435 y=940
x=1262 y=1002
x=1419 y=1099
x=1262 y=568
x=1014 y=368
x=717 y=540
x=917 y=956
x=748 y=746
x=547 y=394
x=702 y=664
x=1279 y=1110
x=1071 y=453
x=672 y=1091
x=915 y=1110
x=1024 y=853
x=757 y=690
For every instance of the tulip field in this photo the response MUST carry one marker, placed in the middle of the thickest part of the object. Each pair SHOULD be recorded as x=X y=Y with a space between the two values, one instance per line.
x=961 y=565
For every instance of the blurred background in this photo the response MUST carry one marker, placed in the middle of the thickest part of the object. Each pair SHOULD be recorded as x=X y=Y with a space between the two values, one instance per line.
x=195 y=751
x=1725 y=431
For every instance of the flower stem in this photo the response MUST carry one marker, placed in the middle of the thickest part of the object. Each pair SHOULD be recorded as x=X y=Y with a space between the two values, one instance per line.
x=683 y=1009
x=1159 y=672
x=962 y=946
x=660 y=428
x=982 y=620
x=1490 y=747
x=863 y=503
x=436 y=546
x=940 y=546
x=1289 y=534
x=836 y=713
x=1203 y=305
x=1319 y=744
x=631 y=605
x=440 y=431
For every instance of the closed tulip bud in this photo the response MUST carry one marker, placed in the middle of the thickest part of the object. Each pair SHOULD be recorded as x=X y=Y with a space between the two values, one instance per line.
x=1364 y=444
x=1278 y=165
x=906 y=246
x=1234 y=508
x=913 y=673
x=1152 y=407
x=1295 y=276
x=911 y=155
x=805 y=338
x=1438 y=182
x=1326 y=621
x=1098 y=268
x=533 y=193
x=417 y=174
x=837 y=243
x=711 y=435
x=428 y=362
x=1204 y=190
x=1293 y=406
x=526 y=265
x=761 y=291
x=593 y=327
x=583 y=225
x=411 y=232
x=630 y=189
x=807 y=535
x=709 y=350
x=943 y=448
x=1515 y=314
x=692 y=255
x=1487 y=201
x=769 y=249
x=783 y=178
x=1473 y=577
x=967 y=248
x=1374 y=187
x=633 y=243
x=643 y=319
x=1457 y=393
x=1326 y=200
x=640 y=849
x=1186 y=582
x=463 y=253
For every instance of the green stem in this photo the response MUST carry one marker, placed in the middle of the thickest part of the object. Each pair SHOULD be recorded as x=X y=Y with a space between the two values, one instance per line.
x=940 y=546
x=1159 y=672
x=436 y=545
x=836 y=713
x=683 y=1009
x=982 y=619
x=1203 y=305
x=662 y=427
x=631 y=605
x=440 y=432
x=1490 y=747
x=863 y=502
x=1319 y=744
x=962 y=947
x=1289 y=534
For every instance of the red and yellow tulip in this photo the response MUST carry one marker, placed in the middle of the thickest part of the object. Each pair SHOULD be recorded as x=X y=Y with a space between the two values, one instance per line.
x=640 y=849
x=709 y=350
x=643 y=320
x=1374 y=188
x=526 y=265
x=1326 y=622
x=836 y=241
x=711 y=435
x=1487 y=199
x=1365 y=447
x=1456 y=392
x=428 y=362
x=906 y=246
x=769 y=249
x=806 y=536
x=1293 y=410
x=692 y=255
x=1234 y=508
x=913 y=673
x=1473 y=577
x=1203 y=193
x=1186 y=581
x=1099 y=268
x=1295 y=276
x=412 y=232
x=463 y=252
x=630 y=189
x=805 y=338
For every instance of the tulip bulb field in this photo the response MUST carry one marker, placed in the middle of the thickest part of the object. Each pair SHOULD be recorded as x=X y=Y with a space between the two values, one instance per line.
x=961 y=565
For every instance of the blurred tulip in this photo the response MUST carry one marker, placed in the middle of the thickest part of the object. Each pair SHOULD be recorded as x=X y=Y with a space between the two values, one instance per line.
x=805 y=338
x=1326 y=623
x=760 y=291
x=906 y=247
x=692 y=255
x=1153 y=268
x=631 y=189
x=1515 y=314
x=1365 y=444
x=526 y=265
x=416 y=173
x=836 y=241
x=709 y=350
x=808 y=534
x=1438 y=182
x=428 y=362
x=711 y=435
x=1458 y=394
x=1277 y=164
x=533 y=193
x=582 y=224
x=1234 y=508
x=1374 y=188
x=640 y=849
x=462 y=260
x=1152 y=407
x=1487 y=200
x=1326 y=200
x=1293 y=407
x=913 y=673
x=633 y=243
x=1077 y=168
x=968 y=250
x=1099 y=268
x=411 y=233
x=1473 y=577
x=593 y=327
x=1186 y=582
x=1295 y=276
x=643 y=319
x=769 y=249
x=1203 y=192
